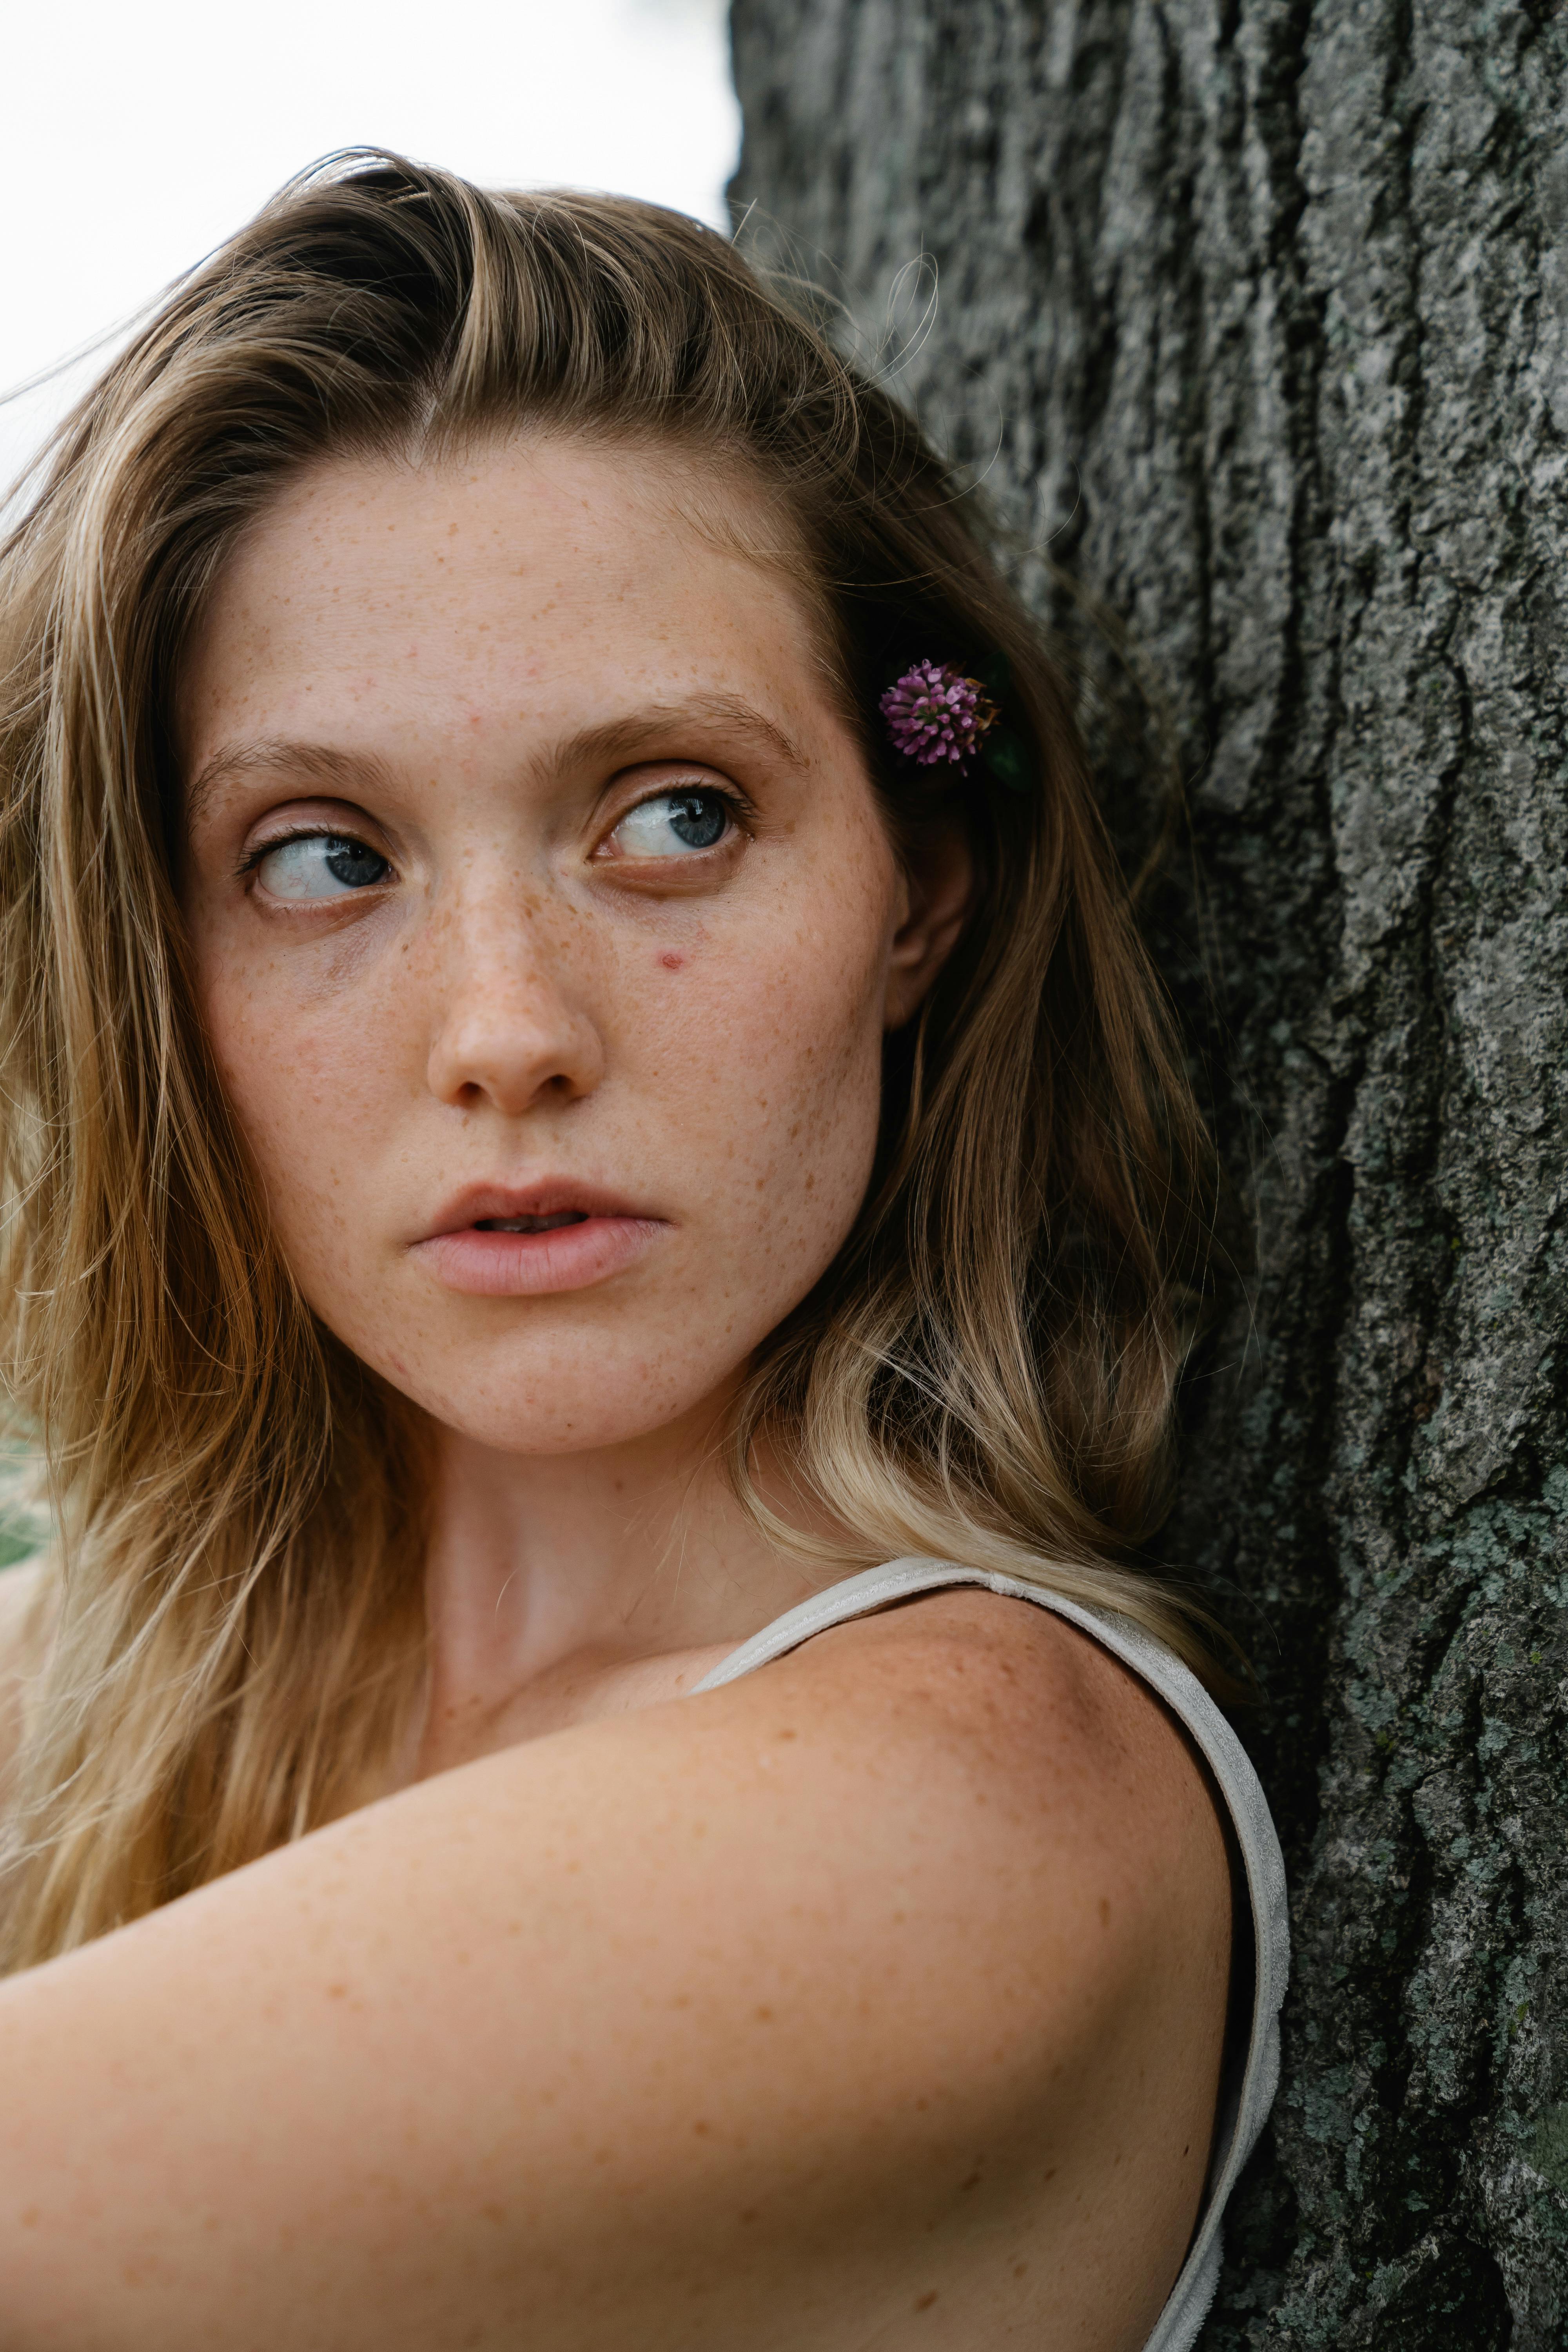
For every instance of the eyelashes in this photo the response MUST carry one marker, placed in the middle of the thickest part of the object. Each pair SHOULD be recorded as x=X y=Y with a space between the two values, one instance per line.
x=670 y=826
x=677 y=825
x=338 y=842
x=317 y=865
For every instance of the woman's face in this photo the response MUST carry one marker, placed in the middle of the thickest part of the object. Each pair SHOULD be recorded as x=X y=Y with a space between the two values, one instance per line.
x=546 y=927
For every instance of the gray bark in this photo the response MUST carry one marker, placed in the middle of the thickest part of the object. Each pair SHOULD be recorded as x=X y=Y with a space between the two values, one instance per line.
x=1256 y=315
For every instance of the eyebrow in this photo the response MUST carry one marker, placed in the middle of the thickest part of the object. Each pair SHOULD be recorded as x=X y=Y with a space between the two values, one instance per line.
x=324 y=764
x=616 y=737
x=346 y=774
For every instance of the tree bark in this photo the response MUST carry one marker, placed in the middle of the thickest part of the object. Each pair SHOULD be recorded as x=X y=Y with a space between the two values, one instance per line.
x=1255 y=315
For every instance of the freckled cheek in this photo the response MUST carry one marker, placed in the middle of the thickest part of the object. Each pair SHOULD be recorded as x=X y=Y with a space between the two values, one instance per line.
x=311 y=1096
x=771 y=1082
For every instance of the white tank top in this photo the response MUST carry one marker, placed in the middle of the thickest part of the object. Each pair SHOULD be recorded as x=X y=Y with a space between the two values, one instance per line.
x=1247 y=2086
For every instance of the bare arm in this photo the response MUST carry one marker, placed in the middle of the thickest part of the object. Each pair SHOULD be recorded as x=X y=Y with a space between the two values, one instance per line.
x=753 y=2020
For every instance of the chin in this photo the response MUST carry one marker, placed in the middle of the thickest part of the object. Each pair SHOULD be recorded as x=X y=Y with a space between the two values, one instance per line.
x=529 y=1408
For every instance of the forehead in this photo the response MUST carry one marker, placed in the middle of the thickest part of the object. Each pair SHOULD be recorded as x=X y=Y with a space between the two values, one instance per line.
x=520 y=574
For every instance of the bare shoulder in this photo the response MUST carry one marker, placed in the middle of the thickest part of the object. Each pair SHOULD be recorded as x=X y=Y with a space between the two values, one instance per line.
x=1013 y=1704
x=999 y=1788
x=977 y=1765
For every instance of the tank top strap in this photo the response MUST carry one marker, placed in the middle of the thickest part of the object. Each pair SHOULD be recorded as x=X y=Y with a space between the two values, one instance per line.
x=1247 y=2092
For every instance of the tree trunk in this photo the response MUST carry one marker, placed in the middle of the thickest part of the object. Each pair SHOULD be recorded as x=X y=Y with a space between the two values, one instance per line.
x=1257 y=315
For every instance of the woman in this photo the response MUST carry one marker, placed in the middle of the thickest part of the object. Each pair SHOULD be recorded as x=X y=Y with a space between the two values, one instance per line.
x=585 y=1117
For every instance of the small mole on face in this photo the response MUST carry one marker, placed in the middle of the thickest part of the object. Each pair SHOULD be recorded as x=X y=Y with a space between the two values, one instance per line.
x=671 y=960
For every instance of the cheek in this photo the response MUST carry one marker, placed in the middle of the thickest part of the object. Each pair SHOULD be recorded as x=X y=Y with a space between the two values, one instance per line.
x=766 y=1060
x=306 y=1091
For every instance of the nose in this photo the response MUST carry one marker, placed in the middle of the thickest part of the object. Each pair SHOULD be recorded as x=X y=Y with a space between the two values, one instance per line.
x=511 y=1027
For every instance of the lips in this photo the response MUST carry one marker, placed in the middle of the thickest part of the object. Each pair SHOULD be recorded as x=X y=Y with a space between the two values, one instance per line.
x=532 y=1241
x=531 y=1224
x=547 y=1204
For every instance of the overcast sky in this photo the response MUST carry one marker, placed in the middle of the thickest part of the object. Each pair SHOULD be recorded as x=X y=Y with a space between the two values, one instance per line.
x=137 y=136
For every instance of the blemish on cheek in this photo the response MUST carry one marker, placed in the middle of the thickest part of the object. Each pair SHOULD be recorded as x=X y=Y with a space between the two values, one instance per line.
x=671 y=960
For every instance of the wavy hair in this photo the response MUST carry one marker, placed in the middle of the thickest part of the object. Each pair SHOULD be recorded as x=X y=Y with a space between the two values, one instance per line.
x=987 y=1371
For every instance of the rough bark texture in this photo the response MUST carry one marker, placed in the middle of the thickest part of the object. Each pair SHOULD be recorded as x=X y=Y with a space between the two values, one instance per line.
x=1257 y=315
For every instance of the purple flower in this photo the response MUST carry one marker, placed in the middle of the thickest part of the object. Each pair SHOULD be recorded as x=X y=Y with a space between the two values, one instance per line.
x=934 y=712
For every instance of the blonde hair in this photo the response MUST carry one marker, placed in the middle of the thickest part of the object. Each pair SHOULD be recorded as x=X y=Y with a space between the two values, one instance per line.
x=987 y=1371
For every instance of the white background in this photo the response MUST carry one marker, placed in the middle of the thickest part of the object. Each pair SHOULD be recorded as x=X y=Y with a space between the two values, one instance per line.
x=139 y=134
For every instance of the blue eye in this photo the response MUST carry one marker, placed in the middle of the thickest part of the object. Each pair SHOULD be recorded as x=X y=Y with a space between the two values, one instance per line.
x=673 y=825
x=320 y=866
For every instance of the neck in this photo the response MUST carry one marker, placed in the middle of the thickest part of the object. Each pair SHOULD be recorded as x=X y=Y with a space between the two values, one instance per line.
x=554 y=1581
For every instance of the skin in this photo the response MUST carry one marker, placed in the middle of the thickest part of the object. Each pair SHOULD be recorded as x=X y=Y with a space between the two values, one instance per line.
x=490 y=667
x=875 y=2000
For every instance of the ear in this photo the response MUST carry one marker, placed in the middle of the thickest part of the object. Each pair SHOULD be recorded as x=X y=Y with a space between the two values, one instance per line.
x=938 y=887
